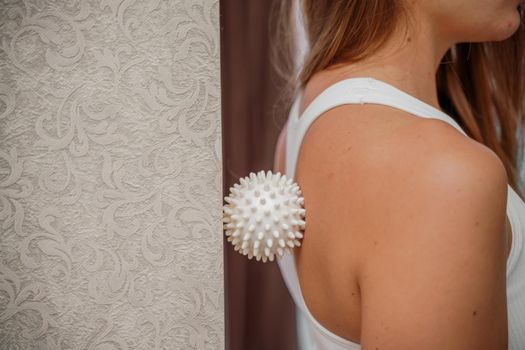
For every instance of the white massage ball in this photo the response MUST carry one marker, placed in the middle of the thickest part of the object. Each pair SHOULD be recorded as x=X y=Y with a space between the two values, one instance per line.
x=263 y=215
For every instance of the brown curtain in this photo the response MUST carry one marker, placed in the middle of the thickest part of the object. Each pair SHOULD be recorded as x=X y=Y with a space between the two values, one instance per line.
x=260 y=314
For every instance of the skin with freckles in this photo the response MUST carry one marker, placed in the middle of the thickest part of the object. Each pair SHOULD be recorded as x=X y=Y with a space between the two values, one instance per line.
x=407 y=235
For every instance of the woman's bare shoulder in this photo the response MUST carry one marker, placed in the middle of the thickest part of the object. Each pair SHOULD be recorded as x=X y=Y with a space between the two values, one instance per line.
x=421 y=208
x=378 y=138
x=417 y=210
x=386 y=157
x=383 y=155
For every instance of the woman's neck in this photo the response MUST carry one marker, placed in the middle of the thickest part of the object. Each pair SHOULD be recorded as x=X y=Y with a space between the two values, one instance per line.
x=409 y=60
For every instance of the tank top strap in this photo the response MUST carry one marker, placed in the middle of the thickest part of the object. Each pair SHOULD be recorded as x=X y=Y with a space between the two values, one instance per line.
x=358 y=90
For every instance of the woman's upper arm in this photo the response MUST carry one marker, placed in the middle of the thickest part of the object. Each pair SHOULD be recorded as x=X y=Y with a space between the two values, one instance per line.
x=435 y=277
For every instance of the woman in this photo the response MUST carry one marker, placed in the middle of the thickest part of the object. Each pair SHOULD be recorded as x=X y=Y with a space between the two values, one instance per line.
x=408 y=165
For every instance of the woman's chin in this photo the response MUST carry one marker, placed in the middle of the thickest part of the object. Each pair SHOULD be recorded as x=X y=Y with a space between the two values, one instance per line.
x=508 y=28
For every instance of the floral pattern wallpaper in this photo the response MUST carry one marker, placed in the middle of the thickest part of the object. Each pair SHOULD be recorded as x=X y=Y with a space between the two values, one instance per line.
x=110 y=175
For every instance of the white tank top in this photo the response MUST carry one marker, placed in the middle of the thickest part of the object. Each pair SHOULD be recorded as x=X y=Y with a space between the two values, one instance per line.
x=370 y=90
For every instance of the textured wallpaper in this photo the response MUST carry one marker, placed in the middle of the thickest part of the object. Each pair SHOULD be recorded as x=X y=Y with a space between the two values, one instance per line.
x=110 y=175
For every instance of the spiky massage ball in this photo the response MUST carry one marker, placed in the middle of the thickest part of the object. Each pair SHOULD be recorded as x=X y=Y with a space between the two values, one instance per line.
x=263 y=215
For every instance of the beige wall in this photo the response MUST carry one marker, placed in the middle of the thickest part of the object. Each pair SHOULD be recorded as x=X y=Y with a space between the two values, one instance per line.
x=110 y=175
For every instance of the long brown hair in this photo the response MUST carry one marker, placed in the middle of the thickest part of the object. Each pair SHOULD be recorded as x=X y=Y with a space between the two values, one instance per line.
x=480 y=85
